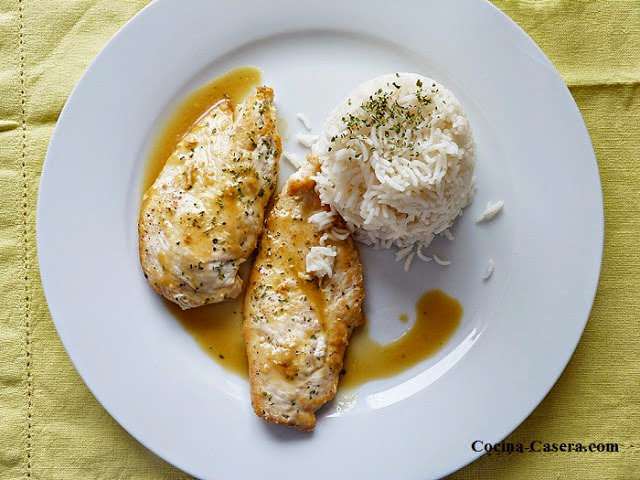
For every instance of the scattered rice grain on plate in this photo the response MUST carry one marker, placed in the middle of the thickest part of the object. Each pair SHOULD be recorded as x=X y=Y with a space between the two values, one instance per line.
x=407 y=262
x=293 y=159
x=307 y=139
x=441 y=261
x=403 y=252
x=422 y=256
x=304 y=120
x=493 y=209
x=491 y=266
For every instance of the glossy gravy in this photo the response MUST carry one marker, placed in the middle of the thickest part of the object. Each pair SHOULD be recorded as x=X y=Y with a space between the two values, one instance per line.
x=218 y=330
x=437 y=317
x=235 y=84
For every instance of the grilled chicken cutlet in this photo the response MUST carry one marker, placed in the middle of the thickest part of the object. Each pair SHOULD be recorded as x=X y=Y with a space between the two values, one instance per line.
x=202 y=217
x=296 y=325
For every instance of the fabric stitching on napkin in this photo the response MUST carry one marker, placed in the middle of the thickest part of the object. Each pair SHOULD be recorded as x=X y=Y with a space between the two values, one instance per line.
x=25 y=236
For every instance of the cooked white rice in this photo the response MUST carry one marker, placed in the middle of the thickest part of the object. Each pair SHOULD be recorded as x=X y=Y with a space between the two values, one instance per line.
x=319 y=261
x=441 y=261
x=294 y=160
x=397 y=161
x=307 y=139
x=304 y=120
x=322 y=220
x=491 y=266
x=493 y=209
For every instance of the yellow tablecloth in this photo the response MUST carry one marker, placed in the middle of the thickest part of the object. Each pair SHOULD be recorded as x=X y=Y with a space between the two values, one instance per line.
x=51 y=427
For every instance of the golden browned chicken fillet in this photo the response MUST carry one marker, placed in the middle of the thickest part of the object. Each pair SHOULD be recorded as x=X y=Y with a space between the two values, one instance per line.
x=296 y=325
x=202 y=217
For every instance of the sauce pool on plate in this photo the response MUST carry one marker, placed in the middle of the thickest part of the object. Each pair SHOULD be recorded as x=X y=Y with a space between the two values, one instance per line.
x=437 y=317
x=218 y=330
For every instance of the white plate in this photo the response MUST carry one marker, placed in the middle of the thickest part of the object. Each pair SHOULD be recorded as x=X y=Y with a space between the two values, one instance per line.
x=519 y=329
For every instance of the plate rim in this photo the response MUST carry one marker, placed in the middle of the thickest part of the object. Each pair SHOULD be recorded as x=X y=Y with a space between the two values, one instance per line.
x=599 y=225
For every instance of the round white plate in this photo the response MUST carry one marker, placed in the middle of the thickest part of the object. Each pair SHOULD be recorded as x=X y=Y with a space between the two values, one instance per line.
x=518 y=331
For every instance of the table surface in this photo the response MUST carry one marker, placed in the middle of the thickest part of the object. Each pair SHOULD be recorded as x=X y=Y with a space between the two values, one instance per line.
x=51 y=426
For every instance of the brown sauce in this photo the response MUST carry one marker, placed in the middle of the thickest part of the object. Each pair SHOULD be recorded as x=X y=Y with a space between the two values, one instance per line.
x=437 y=317
x=296 y=237
x=235 y=84
x=217 y=329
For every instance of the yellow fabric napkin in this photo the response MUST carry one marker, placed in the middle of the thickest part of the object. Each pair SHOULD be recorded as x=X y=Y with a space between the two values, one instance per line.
x=51 y=427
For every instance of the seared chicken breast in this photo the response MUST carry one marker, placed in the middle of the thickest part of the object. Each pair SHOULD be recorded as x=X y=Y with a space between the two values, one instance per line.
x=202 y=217
x=297 y=326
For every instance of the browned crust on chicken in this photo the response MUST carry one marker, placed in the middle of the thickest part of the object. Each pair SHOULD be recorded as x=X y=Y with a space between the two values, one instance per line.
x=297 y=327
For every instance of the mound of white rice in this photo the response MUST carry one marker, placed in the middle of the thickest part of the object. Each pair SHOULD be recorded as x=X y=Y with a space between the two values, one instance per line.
x=396 y=161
